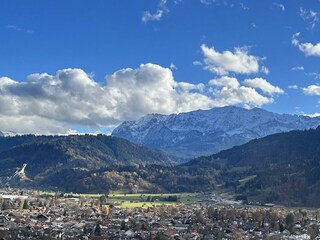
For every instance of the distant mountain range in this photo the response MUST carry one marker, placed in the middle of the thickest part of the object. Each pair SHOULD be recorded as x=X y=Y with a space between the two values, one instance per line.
x=205 y=132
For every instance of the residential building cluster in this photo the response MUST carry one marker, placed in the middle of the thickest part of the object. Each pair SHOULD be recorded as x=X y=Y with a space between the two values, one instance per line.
x=30 y=215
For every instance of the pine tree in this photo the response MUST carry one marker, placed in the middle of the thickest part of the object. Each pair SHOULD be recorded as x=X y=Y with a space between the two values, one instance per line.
x=25 y=205
x=97 y=230
x=4 y=206
x=290 y=222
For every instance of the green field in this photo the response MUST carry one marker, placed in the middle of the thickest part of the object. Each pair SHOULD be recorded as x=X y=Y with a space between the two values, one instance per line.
x=140 y=200
x=123 y=200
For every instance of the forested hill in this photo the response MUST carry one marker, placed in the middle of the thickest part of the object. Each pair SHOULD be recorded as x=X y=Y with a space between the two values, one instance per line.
x=47 y=155
x=290 y=147
x=283 y=168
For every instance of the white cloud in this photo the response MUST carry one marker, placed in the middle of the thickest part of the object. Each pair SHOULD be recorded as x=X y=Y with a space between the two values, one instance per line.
x=228 y=91
x=312 y=115
x=173 y=67
x=298 y=68
x=293 y=87
x=312 y=90
x=147 y=16
x=151 y=88
x=186 y=87
x=263 y=85
x=229 y=82
x=310 y=16
x=5 y=81
x=54 y=104
x=308 y=49
x=238 y=61
x=265 y=70
x=294 y=39
x=32 y=124
x=162 y=9
x=279 y=5
x=197 y=63
x=242 y=95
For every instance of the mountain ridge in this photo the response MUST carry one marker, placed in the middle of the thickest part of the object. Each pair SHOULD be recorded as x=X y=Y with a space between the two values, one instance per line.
x=205 y=132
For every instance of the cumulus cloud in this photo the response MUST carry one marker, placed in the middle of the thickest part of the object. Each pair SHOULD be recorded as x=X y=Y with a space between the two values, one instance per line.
x=229 y=82
x=71 y=97
x=307 y=48
x=152 y=88
x=239 y=61
x=184 y=86
x=228 y=91
x=54 y=104
x=312 y=90
x=263 y=85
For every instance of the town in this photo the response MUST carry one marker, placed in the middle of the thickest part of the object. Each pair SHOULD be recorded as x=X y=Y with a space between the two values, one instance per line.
x=30 y=214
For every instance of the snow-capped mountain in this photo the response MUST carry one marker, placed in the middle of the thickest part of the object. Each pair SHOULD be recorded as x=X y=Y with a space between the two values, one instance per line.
x=7 y=134
x=204 y=132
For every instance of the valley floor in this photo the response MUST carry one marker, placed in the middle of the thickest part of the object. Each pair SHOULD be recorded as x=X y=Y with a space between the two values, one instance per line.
x=27 y=214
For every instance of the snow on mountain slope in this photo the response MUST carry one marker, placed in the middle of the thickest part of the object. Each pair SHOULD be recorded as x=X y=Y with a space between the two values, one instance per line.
x=205 y=132
x=7 y=134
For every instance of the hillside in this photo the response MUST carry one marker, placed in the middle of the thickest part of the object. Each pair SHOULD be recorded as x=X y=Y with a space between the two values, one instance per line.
x=282 y=168
x=51 y=157
x=205 y=132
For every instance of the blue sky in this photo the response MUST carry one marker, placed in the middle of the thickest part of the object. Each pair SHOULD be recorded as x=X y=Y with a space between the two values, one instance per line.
x=86 y=56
